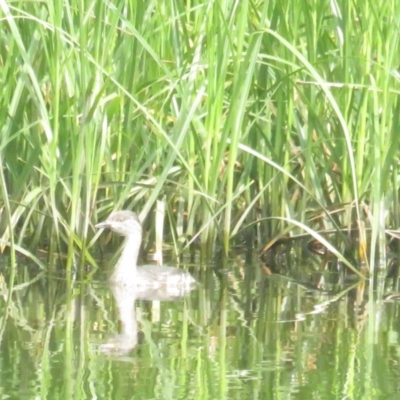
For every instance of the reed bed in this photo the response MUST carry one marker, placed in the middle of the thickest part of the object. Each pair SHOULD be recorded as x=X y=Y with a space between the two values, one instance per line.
x=232 y=113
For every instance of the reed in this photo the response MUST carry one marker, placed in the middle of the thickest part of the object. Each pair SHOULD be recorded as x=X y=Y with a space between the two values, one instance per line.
x=235 y=111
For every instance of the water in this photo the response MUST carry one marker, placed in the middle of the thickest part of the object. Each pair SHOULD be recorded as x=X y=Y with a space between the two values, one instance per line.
x=240 y=335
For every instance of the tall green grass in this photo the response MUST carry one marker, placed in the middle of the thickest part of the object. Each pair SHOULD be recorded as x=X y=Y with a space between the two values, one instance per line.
x=236 y=112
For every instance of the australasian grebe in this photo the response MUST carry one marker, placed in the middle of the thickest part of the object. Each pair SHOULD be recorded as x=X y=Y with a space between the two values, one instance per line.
x=126 y=271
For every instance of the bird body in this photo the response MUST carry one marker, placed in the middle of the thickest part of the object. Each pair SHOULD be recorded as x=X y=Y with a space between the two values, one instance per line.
x=127 y=272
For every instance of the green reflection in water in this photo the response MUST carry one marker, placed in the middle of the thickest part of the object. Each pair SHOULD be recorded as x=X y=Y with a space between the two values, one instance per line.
x=238 y=335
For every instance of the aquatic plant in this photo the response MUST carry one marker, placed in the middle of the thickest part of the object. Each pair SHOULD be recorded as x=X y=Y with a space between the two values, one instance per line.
x=233 y=112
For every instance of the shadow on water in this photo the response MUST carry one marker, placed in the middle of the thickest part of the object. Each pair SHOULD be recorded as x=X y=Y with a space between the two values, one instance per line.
x=293 y=326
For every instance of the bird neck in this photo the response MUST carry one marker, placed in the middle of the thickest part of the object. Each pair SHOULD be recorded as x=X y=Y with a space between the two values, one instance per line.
x=125 y=269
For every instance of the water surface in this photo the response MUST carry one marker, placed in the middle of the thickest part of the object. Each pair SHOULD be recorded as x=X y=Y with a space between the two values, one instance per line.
x=241 y=334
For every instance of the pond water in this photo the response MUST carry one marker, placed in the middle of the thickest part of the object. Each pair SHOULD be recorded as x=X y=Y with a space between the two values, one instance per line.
x=241 y=334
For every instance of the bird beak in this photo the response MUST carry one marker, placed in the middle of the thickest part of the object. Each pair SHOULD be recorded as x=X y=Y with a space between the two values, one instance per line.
x=102 y=225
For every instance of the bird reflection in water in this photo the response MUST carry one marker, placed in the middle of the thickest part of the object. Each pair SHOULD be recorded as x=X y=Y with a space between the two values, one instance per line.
x=130 y=282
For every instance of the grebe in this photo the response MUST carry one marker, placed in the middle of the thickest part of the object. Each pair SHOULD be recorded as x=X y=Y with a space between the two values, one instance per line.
x=127 y=272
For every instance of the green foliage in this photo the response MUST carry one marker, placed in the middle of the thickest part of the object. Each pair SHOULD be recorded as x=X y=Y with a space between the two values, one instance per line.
x=236 y=111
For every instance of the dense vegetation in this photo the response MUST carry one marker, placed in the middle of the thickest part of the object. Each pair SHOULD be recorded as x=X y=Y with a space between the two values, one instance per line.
x=229 y=112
